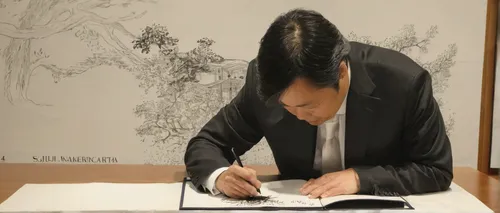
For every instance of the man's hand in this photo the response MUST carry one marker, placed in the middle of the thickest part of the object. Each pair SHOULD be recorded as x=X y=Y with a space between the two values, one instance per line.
x=238 y=182
x=331 y=184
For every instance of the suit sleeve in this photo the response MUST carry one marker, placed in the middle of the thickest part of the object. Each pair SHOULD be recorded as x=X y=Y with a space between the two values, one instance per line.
x=429 y=166
x=234 y=125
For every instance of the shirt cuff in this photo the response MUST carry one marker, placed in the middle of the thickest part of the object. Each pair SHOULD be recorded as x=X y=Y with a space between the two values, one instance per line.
x=210 y=182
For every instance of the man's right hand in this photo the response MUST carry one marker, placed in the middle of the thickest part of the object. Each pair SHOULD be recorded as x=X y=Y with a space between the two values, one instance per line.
x=238 y=182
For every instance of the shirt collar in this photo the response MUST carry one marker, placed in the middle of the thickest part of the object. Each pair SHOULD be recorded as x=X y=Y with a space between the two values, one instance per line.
x=342 y=108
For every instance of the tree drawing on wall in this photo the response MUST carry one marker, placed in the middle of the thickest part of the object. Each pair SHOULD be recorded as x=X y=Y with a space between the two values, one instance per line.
x=182 y=104
x=41 y=19
x=407 y=42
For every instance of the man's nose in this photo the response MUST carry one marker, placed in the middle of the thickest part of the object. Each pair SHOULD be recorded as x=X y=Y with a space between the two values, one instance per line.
x=300 y=114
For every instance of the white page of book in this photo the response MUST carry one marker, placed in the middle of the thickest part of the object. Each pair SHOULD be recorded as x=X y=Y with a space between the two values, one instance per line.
x=283 y=194
x=329 y=200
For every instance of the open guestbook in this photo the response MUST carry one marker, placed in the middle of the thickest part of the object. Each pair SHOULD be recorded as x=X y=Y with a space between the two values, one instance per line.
x=284 y=195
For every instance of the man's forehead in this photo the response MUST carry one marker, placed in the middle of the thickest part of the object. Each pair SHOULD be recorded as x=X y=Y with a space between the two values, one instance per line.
x=302 y=92
x=298 y=97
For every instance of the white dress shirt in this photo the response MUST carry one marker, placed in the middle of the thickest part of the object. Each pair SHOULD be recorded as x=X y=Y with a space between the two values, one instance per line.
x=329 y=154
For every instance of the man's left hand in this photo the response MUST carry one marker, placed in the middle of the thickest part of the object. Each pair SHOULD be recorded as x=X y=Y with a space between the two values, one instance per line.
x=332 y=184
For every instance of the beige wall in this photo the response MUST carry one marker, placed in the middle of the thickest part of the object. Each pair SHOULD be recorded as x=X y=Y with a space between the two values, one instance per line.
x=74 y=86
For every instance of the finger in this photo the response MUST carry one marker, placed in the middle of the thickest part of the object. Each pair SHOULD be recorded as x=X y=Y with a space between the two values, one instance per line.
x=241 y=172
x=324 y=179
x=322 y=189
x=246 y=175
x=236 y=192
x=250 y=170
x=306 y=184
x=241 y=193
x=312 y=186
x=246 y=188
x=250 y=189
x=321 y=181
x=232 y=190
x=233 y=194
x=334 y=191
x=243 y=186
x=256 y=181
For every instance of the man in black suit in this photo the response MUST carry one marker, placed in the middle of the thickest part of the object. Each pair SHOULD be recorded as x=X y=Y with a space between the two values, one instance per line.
x=349 y=117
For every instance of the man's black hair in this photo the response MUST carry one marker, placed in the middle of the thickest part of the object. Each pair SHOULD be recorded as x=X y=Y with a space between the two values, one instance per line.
x=299 y=43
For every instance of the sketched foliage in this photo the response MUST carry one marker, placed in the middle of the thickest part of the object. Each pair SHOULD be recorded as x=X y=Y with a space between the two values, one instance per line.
x=168 y=125
x=182 y=104
x=408 y=42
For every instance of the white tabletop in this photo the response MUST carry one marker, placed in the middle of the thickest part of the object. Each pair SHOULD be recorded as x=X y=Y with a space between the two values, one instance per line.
x=162 y=197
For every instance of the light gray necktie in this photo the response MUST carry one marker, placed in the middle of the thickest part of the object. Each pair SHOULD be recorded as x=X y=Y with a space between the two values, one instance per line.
x=330 y=155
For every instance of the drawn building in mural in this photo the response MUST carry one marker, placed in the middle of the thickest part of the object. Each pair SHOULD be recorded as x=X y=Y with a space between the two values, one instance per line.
x=227 y=76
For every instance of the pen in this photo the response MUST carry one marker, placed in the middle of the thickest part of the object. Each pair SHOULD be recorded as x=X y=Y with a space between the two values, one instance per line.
x=239 y=162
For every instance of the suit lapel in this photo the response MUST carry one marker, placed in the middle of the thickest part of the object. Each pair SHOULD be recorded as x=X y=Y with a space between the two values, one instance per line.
x=360 y=113
x=300 y=140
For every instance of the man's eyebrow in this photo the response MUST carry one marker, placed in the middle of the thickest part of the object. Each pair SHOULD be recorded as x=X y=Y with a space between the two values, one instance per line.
x=300 y=105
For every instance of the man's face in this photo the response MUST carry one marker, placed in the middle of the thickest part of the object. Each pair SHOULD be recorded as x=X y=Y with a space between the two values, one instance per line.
x=315 y=105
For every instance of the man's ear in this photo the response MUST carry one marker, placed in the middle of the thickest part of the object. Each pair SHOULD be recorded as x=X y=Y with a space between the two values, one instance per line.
x=343 y=70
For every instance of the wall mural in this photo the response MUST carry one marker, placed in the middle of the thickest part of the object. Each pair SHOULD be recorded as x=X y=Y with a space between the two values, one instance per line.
x=187 y=87
x=184 y=104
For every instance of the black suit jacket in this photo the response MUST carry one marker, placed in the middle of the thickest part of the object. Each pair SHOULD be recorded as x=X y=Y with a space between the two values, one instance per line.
x=395 y=136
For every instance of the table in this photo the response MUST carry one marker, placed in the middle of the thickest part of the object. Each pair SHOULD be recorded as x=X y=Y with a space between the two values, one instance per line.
x=13 y=176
